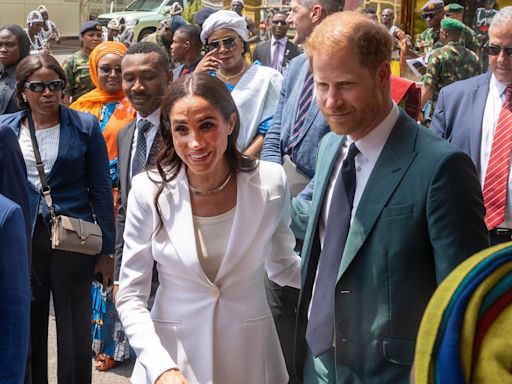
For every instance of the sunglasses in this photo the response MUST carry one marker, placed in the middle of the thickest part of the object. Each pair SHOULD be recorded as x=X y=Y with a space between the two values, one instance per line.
x=39 y=86
x=494 y=50
x=429 y=15
x=279 y=22
x=227 y=43
x=104 y=70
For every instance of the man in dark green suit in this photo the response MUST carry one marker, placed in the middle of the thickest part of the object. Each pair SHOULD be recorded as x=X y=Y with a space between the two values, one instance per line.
x=414 y=212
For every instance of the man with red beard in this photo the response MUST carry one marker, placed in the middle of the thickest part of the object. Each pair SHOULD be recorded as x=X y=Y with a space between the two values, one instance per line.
x=394 y=209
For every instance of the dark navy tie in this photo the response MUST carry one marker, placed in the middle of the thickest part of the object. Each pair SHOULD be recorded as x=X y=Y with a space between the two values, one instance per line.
x=319 y=332
x=139 y=159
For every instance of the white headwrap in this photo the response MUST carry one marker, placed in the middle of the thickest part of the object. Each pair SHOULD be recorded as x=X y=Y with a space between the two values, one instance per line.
x=42 y=9
x=34 y=17
x=225 y=19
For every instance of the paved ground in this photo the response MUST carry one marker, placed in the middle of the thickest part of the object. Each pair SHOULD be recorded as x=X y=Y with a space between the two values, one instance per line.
x=118 y=375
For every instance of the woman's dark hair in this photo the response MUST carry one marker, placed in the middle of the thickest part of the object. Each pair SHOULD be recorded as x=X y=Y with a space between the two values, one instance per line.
x=21 y=37
x=28 y=66
x=214 y=91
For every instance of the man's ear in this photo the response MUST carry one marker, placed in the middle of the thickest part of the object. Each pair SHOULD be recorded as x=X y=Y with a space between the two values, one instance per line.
x=317 y=12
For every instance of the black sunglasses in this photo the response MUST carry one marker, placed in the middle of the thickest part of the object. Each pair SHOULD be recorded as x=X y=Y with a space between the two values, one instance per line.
x=495 y=50
x=105 y=70
x=227 y=43
x=281 y=22
x=40 y=86
x=429 y=15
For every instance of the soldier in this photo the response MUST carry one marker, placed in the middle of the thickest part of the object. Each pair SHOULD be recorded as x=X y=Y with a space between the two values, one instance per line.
x=165 y=33
x=481 y=23
x=468 y=38
x=76 y=67
x=433 y=12
x=448 y=64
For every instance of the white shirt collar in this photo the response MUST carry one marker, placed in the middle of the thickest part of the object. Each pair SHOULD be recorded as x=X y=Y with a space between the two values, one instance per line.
x=282 y=40
x=154 y=117
x=496 y=87
x=370 y=146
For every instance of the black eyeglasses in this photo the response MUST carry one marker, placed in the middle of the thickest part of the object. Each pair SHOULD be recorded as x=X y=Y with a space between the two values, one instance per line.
x=429 y=15
x=495 y=50
x=279 y=22
x=227 y=43
x=105 y=70
x=40 y=86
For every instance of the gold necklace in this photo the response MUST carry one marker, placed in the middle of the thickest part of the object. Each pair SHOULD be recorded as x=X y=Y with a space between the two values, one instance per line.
x=211 y=191
x=230 y=77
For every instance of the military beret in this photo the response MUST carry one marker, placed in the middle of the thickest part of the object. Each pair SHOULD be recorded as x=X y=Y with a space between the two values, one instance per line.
x=433 y=5
x=90 y=25
x=454 y=8
x=452 y=25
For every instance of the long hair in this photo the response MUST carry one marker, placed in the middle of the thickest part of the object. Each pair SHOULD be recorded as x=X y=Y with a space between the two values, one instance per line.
x=214 y=91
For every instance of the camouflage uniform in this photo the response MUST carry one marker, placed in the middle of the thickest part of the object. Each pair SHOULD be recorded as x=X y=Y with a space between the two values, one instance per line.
x=449 y=64
x=79 y=81
x=157 y=39
x=469 y=40
x=427 y=41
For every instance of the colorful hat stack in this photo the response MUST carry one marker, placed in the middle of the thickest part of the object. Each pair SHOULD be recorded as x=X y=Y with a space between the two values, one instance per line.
x=465 y=335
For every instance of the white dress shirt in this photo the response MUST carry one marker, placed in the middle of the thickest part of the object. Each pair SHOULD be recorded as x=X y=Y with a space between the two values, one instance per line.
x=150 y=134
x=370 y=147
x=495 y=99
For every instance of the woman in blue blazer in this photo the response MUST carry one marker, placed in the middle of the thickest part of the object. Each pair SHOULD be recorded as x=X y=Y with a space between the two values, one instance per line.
x=76 y=166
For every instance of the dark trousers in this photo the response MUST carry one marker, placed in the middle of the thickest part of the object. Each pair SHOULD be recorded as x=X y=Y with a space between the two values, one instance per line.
x=283 y=305
x=68 y=277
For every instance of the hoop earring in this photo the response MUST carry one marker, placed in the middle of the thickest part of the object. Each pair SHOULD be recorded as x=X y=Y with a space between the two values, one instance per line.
x=24 y=97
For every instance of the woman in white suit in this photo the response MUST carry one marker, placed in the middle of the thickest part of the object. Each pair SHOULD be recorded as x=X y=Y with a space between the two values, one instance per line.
x=214 y=220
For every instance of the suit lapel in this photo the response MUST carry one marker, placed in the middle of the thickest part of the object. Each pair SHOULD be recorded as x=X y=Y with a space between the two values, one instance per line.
x=478 y=101
x=396 y=157
x=250 y=209
x=124 y=154
x=178 y=222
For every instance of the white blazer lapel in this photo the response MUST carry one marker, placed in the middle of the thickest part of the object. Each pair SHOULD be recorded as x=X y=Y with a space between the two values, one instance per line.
x=250 y=209
x=176 y=212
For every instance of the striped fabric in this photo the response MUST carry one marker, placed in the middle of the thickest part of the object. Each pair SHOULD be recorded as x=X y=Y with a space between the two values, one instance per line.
x=302 y=111
x=495 y=185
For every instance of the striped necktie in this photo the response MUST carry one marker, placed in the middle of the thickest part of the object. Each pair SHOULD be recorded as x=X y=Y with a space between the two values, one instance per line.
x=495 y=184
x=302 y=111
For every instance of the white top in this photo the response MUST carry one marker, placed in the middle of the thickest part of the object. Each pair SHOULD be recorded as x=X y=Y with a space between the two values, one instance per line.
x=256 y=95
x=150 y=134
x=370 y=148
x=48 y=142
x=495 y=99
x=212 y=237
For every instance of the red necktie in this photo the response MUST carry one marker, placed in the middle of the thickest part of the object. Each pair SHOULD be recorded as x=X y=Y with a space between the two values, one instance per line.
x=495 y=184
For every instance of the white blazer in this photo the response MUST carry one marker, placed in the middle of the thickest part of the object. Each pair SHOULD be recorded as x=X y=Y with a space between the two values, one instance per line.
x=218 y=332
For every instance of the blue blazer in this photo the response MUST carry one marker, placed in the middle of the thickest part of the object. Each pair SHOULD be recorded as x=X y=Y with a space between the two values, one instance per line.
x=15 y=297
x=459 y=114
x=314 y=128
x=420 y=215
x=80 y=174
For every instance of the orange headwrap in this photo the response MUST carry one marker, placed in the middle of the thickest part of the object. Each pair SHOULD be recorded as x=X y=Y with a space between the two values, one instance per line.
x=93 y=101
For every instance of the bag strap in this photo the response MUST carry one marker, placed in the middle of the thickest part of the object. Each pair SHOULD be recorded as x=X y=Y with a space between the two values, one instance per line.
x=40 y=167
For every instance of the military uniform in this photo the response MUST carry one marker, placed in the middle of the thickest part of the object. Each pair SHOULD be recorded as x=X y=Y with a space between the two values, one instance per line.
x=79 y=81
x=469 y=40
x=427 y=41
x=481 y=23
x=449 y=64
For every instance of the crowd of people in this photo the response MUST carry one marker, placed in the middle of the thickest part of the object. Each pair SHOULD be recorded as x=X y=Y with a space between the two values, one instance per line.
x=270 y=212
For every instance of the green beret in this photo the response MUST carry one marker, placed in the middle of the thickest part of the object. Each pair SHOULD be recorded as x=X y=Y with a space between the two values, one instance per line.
x=452 y=25
x=433 y=5
x=454 y=8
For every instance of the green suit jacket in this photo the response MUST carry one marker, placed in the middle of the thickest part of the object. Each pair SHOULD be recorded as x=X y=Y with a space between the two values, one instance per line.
x=420 y=215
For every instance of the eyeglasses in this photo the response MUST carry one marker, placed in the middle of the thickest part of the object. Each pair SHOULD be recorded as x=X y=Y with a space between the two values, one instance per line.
x=495 y=50
x=279 y=22
x=227 y=43
x=429 y=15
x=40 y=86
x=104 y=70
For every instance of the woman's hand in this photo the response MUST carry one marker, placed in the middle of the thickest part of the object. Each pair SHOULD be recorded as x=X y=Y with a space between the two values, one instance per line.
x=209 y=62
x=105 y=266
x=172 y=376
